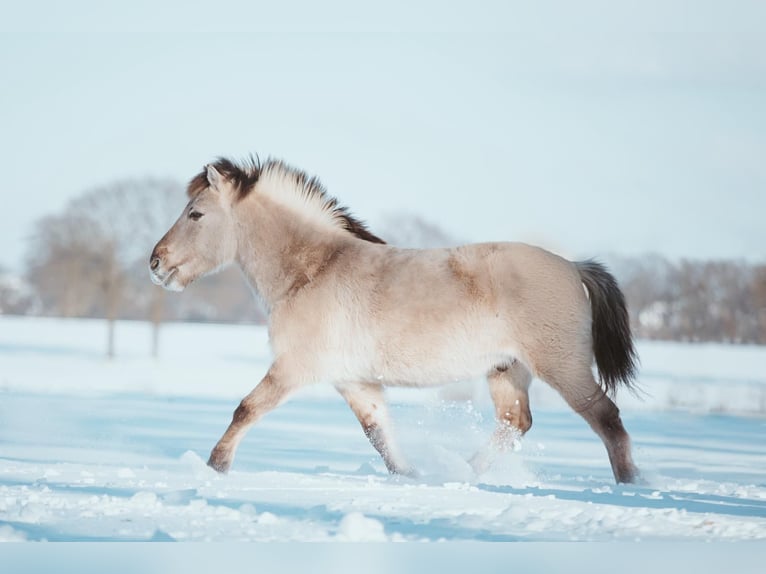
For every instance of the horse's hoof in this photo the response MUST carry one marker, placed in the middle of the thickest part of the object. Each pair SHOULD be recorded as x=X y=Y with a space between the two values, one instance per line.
x=219 y=465
x=631 y=476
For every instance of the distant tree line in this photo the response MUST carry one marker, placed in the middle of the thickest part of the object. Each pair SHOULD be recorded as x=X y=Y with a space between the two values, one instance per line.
x=688 y=300
x=90 y=260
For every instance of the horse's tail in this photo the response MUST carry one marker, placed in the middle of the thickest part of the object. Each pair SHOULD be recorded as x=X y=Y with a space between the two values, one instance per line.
x=613 y=348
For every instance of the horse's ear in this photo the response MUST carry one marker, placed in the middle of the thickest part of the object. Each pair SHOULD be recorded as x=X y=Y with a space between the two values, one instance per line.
x=213 y=177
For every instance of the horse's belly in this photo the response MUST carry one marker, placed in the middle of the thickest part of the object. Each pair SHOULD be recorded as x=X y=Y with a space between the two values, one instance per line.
x=440 y=373
x=441 y=358
x=455 y=348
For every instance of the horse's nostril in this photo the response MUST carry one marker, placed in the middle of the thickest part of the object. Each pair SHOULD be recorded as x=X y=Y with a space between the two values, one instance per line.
x=154 y=263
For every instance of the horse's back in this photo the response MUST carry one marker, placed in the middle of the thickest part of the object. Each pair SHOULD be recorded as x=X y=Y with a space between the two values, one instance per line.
x=467 y=308
x=503 y=274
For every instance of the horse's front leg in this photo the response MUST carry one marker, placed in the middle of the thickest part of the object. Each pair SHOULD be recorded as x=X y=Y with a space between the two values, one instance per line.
x=270 y=393
x=369 y=406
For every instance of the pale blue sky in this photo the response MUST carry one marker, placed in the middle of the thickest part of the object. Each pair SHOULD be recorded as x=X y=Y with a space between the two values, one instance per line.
x=586 y=127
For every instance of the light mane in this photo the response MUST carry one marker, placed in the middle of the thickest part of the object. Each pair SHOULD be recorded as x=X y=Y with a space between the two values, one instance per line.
x=292 y=188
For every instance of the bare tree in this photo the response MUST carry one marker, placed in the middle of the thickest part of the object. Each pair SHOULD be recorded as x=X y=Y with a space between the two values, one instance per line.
x=81 y=260
x=62 y=259
x=130 y=215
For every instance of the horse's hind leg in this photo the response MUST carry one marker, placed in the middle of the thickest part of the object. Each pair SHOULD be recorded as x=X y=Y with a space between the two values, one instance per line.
x=368 y=403
x=269 y=393
x=586 y=397
x=508 y=387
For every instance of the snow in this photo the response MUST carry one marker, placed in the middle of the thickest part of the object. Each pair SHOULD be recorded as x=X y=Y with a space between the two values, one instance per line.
x=94 y=450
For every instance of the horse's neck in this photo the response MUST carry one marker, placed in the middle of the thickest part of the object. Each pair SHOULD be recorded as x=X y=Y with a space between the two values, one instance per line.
x=279 y=253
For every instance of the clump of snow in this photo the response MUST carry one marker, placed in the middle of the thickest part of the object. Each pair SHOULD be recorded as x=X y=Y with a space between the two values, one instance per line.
x=267 y=518
x=356 y=527
x=144 y=499
x=197 y=465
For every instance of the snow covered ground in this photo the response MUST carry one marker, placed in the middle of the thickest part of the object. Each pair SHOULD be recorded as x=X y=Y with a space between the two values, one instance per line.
x=96 y=450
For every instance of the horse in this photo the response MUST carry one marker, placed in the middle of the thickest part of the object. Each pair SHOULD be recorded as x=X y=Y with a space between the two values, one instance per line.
x=348 y=309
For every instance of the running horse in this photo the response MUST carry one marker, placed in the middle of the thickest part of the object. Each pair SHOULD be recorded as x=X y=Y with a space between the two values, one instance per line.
x=347 y=309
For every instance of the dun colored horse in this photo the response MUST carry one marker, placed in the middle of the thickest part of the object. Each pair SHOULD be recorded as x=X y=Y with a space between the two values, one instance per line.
x=348 y=310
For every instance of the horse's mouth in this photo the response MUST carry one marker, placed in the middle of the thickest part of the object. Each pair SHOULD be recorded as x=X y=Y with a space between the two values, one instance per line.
x=157 y=279
x=169 y=276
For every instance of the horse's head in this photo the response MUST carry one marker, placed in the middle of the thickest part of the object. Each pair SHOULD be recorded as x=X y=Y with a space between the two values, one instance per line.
x=203 y=239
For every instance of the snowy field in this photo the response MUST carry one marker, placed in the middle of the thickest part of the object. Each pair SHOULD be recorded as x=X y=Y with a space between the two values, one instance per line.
x=97 y=450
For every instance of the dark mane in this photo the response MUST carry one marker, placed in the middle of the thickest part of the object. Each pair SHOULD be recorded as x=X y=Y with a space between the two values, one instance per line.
x=312 y=187
x=244 y=177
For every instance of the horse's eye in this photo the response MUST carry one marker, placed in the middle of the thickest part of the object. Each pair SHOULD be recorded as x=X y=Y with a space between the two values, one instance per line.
x=195 y=215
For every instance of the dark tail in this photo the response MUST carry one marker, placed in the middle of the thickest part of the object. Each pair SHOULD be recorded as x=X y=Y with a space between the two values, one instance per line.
x=616 y=357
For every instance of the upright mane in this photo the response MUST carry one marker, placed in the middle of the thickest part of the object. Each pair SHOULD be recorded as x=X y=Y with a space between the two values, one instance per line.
x=288 y=186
